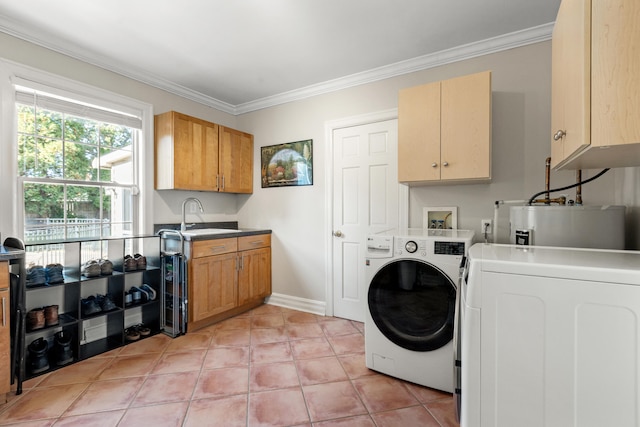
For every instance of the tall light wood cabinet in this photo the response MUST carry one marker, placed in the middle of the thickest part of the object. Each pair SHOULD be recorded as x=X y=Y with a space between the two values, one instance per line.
x=5 y=332
x=444 y=131
x=194 y=154
x=595 y=82
x=186 y=152
x=236 y=159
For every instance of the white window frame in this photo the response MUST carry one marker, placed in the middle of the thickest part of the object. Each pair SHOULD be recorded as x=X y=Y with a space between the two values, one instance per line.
x=11 y=74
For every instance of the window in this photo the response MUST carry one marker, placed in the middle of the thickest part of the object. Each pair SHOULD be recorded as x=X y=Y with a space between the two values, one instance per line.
x=76 y=167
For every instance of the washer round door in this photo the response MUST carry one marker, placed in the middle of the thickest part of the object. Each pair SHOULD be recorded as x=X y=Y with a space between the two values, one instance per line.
x=413 y=304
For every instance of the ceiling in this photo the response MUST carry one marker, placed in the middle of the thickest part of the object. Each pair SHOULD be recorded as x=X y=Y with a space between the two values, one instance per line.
x=242 y=55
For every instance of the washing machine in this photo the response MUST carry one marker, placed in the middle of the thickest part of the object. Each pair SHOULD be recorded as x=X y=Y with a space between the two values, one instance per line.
x=412 y=276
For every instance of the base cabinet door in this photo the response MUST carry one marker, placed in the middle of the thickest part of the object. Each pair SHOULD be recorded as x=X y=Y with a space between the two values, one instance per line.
x=212 y=285
x=5 y=356
x=254 y=275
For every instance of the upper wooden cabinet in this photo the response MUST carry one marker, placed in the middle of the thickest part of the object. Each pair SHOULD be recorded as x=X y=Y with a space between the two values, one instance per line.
x=595 y=81
x=444 y=130
x=193 y=154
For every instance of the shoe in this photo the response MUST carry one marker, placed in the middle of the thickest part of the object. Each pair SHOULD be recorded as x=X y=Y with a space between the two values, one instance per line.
x=128 y=299
x=53 y=273
x=144 y=295
x=36 y=276
x=91 y=269
x=62 y=348
x=106 y=267
x=141 y=261
x=105 y=302
x=89 y=306
x=136 y=295
x=130 y=334
x=38 y=361
x=35 y=319
x=142 y=330
x=150 y=291
x=51 y=315
x=130 y=264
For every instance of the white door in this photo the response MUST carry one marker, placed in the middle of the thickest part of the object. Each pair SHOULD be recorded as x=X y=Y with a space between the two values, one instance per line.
x=365 y=200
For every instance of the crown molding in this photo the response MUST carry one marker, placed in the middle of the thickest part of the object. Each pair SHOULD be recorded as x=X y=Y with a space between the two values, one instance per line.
x=471 y=50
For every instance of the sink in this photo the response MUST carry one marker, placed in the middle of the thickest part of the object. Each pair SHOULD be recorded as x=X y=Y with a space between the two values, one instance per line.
x=203 y=232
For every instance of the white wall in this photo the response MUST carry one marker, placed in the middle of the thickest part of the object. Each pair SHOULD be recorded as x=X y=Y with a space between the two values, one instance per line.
x=297 y=215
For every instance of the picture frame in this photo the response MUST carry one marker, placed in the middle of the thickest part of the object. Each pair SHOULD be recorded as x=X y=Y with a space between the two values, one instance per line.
x=288 y=164
x=440 y=217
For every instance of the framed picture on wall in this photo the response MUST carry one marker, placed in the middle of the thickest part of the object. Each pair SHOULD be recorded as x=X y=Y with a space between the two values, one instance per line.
x=289 y=164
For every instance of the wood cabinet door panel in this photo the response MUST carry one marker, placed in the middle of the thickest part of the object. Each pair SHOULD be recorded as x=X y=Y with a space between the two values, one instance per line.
x=419 y=133
x=5 y=335
x=212 y=286
x=236 y=161
x=254 y=276
x=246 y=243
x=466 y=127
x=571 y=79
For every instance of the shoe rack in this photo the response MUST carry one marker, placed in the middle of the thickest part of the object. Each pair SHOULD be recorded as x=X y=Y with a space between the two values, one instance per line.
x=91 y=333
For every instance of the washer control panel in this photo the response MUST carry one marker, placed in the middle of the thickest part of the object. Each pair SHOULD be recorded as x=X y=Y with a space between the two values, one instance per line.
x=410 y=246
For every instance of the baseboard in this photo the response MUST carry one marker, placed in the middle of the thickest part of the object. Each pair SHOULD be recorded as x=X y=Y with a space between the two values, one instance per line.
x=297 y=303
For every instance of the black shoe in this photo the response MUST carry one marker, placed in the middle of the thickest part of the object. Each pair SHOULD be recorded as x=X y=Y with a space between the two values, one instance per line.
x=89 y=306
x=38 y=361
x=105 y=302
x=62 y=348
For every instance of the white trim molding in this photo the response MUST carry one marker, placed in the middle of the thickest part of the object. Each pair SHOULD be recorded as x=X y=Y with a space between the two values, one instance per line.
x=483 y=47
x=297 y=303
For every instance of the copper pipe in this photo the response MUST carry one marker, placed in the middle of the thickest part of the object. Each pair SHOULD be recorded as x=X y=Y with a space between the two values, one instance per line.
x=547 y=180
x=579 y=187
x=562 y=200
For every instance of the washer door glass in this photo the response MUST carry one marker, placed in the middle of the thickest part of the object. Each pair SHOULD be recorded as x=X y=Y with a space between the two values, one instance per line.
x=413 y=304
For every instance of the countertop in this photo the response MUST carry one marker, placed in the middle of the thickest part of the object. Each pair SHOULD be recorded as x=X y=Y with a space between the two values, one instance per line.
x=232 y=226
x=7 y=253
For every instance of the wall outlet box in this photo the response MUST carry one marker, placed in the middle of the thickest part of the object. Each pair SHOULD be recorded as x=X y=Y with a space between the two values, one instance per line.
x=486 y=226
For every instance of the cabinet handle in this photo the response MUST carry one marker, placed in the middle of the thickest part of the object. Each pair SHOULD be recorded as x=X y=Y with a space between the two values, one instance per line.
x=256 y=242
x=4 y=312
x=559 y=135
x=434 y=165
x=214 y=248
x=445 y=164
x=217 y=181
x=223 y=182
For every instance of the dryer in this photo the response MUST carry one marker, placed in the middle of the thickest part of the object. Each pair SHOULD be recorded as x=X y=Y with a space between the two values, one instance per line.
x=412 y=276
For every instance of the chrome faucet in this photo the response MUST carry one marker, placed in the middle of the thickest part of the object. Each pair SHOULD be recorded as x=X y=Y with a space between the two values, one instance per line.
x=183 y=226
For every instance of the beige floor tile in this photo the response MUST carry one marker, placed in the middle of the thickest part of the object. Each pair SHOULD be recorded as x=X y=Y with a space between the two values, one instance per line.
x=130 y=366
x=444 y=411
x=226 y=357
x=338 y=327
x=155 y=344
x=298 y=331
x=166 y=415
x=311 y=348
x=42 y=403
x=345 y=344
x=277 y=408
x=355 y=365
x=222 y=382
x=300 y=317
x=273 y=376
x=192 y=341
x=231 y=337
x=271 y=353
x=167 y=388
x=359 y=421
x=413 y=416
x=82 y=372
x=267 y=321
x=322 y=370
x=101 y=419
x=106 y=396
x=382 y=393
x=180 y=362
x=229 y=412
x=333 y=400
x=267 y=335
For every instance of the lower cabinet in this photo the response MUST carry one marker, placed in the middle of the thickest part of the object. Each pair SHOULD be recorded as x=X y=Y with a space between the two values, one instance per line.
x=5 y=332
x=227 y=276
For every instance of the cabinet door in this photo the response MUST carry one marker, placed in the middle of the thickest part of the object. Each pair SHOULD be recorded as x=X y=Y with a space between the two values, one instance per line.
x=186 y=153
x=212 y=286
x=196 y=154
x=465 y=143
x=419 y=133
x=254 y=276
x=236 y=161
x=5 y=340
x=571 y=80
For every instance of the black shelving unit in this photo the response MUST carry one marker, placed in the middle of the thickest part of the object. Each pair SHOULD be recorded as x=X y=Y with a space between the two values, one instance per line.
x=99 y=332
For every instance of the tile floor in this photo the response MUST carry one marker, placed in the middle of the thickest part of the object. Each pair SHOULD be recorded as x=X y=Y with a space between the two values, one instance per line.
x=269 y=367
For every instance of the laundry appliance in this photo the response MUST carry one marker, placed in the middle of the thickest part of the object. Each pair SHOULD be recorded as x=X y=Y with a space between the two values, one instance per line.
x=412 y=276
x=548 y=336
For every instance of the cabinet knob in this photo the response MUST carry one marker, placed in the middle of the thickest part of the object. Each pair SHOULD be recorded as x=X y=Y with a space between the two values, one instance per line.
x=434 y=165
x=445 y=164
x=558 y=135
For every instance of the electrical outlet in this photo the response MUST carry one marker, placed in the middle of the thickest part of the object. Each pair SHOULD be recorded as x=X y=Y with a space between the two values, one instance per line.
x=486 y=226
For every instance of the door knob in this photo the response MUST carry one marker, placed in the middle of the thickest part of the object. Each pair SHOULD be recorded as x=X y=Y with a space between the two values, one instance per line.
x=338 y=233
